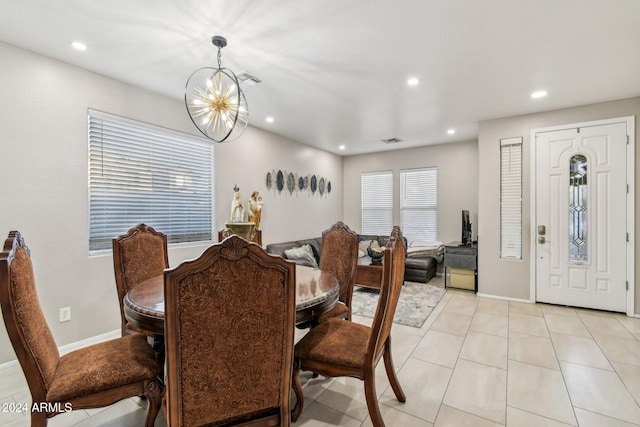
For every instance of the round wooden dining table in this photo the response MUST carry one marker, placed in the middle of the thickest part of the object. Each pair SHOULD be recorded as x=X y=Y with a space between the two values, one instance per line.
x=317 y=292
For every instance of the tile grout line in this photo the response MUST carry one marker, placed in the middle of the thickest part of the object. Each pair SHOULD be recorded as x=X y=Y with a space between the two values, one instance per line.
x=564 y=381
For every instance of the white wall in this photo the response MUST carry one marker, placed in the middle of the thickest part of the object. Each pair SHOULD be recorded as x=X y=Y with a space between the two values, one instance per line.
x=43 y=175
x=457 y=165
x=285 y=216
x=511 y=278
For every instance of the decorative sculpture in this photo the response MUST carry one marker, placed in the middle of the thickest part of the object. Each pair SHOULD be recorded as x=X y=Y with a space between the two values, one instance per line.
x=237 y=210
x=255 y=208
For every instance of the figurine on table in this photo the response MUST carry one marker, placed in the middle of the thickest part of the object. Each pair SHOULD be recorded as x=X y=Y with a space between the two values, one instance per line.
x=255 y=208
x=237 y=210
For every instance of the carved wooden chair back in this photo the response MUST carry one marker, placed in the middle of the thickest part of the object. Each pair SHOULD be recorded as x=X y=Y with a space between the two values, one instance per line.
x=340 y=257
x=138 y=255
x=94 y=376
x=229 y=333
x=392 y=280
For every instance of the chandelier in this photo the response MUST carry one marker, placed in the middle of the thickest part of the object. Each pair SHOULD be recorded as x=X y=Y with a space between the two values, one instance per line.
x=215 y=102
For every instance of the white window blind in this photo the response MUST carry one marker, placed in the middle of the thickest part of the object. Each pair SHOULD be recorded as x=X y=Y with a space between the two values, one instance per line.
x=511 y=198
x=419 y=204
x=377 y=203
x=143 y=173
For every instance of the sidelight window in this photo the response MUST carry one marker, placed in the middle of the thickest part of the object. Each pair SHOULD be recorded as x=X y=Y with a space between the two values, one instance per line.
x=511 y=198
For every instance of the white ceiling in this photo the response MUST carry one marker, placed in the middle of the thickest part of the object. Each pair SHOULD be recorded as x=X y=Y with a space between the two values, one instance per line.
x=334 y=71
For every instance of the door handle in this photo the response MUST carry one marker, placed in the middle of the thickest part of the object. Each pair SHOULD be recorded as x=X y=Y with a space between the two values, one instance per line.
x=542 y=240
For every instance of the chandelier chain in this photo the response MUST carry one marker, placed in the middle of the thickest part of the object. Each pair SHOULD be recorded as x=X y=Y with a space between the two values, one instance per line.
x=219 y=59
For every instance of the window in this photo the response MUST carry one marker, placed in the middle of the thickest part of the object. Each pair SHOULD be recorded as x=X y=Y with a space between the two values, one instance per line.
x=419 y=204
x=511 y=198
x=377 y=203
x=143 y=173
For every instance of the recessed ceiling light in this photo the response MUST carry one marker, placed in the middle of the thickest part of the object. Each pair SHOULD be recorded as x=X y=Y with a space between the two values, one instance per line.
x=451 y=131
x=413 y=81
x=342 y=147
x=269 y=119
x=539 y=94
x=79 y=46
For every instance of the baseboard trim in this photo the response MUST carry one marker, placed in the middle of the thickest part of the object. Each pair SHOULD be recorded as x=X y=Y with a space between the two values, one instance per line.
x=526 y=301
x=68 y=348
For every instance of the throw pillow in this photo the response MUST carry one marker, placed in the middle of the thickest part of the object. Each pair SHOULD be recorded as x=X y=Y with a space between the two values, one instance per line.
x=301 y=255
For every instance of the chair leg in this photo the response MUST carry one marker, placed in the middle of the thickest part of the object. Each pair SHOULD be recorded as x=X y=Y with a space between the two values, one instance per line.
x=154 y=392
x=391 y=372
x=372 y=399
x=297 y=388
x=38 y=419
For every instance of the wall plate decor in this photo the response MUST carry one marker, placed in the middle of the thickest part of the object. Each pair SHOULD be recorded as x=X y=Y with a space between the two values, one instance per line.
x=291 y=182
x=269 y=180
x=294 y=182
x=314 y=184
x=280 y=181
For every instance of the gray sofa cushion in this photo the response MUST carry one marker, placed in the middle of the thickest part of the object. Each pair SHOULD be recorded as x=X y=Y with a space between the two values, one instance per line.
x=279 y=248
x=302 y=255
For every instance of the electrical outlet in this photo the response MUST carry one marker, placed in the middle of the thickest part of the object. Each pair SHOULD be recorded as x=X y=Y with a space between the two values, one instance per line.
x=65 y=314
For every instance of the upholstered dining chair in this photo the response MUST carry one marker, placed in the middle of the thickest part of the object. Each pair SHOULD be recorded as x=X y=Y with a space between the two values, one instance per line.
x=340 y=257
x=338 y=348
x=229 y=335
x=138 y=255
x=94 y=376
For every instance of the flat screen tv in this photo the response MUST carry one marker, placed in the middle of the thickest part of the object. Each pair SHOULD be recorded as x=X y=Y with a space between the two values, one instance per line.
x=466 y=229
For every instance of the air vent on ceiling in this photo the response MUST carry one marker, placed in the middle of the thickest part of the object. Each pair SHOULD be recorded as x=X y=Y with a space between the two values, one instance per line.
x=248 y=79
x=391 y=140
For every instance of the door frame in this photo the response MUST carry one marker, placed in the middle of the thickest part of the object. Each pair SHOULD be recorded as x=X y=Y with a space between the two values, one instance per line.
x=630 y=255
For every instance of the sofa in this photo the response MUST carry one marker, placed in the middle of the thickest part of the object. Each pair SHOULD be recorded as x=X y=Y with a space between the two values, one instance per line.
x=420 y=268
x=422 y=254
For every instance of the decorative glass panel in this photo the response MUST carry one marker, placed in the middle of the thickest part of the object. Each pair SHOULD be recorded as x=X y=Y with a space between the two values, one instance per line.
x=578 y=209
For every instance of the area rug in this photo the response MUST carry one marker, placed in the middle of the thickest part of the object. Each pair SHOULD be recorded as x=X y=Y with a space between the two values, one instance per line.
x=416 y=302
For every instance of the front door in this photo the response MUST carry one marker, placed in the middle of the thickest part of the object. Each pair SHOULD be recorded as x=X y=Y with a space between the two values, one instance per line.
x=581 y=196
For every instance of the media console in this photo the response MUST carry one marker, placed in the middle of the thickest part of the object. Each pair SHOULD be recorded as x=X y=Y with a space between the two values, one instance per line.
x=462 y=262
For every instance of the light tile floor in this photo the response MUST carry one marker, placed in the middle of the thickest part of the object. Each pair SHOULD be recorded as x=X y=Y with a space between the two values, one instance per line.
x=475 y=362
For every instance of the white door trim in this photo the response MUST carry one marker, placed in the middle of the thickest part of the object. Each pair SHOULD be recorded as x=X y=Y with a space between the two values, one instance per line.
x=630 y=256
